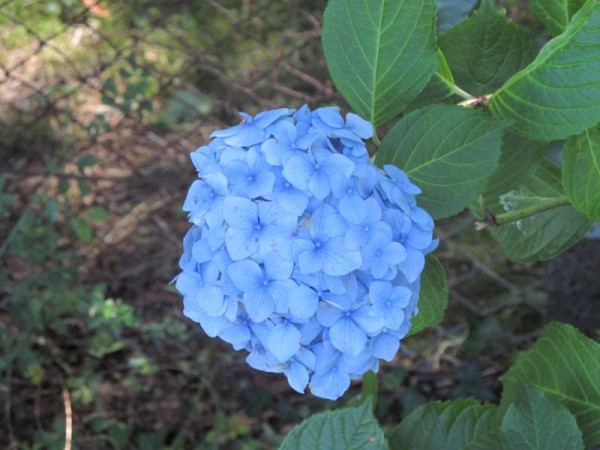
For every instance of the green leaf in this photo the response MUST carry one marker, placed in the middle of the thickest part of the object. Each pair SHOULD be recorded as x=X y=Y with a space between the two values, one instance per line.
x=81 y=229
x=581 y=172
x=451 y=12
x=558 y=94
x=518 y=160
x=433 y=298
x=566 y=365
x=380 y=53
x=456 y=425
x=485 y=50
x=86 y=160
x=98 y=213
x=544 y=235
x=555 y=14
x=447 y=151
x=538 y=422
x=342 y=429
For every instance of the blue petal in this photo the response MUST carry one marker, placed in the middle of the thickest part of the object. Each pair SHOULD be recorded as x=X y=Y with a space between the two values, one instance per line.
x=395 y=318
x=297 y=376
x=210 y=299
x=328 y=315
x=262 y=185
x=276 y=267
x=310 y=261
x=259 y=304
x=298 y=170
x=280 y=291
x=310 y=331
x=187 y=282
x=413 y=265
x=302 y=302
x=385 y=346
x=246 y=275
x=292 y=200
x=367 y=319
x=240 y=213
x=337 y=164
x=240 y=244
x=284 y=341
x=275 y=220
x=422 y=218
x=353 y=208
x=379 y=293
x=330 y=116
x=331 y=385
x=338 y=260
x=319 y=185
x=212 y=326
x=266 y=118
x=235 y=333
x=356 y=366
x=359 y=126
x=284 y=132
x=247 y=135
x=306 y=358
x=418 y=238
x=201 y=251
x=275 y=154
x=347 y=336
x=394 y=253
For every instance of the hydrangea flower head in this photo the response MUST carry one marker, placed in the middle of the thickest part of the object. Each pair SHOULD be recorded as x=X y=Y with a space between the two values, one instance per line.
x=301 y=251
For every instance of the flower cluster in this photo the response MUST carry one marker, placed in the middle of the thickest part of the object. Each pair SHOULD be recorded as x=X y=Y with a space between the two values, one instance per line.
x=302 y=251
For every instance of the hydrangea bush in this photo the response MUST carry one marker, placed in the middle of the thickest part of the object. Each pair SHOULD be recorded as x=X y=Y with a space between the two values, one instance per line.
x=311 y=258
x=301 y=250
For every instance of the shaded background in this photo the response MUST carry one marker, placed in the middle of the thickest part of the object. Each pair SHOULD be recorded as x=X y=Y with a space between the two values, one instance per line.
x=100 y=105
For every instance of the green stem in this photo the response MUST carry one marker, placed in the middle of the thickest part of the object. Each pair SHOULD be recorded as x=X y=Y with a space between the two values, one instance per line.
x=370 y=388
x=376 y=139
x=455 y=89
x=519 y=214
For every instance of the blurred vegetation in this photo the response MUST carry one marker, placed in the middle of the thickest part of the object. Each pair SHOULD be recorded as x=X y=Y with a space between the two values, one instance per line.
x=100 y=102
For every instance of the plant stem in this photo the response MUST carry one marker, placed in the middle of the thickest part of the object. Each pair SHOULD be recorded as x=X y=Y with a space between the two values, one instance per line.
x=519 y=214
x=376 y=139
x=455 y=89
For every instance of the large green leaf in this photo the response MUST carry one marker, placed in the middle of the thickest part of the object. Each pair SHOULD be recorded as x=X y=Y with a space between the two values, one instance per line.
x=380 y=53
x=555 y=14
x=485 y=50
x=433 y=298
x=544 y=235
x=518 y=160
x=451 y=12
x=448 y=151
x=581 y=172
x=566 y=365
x=538 y=422
x=457 y=425
x=342 y=429
x=558 y=94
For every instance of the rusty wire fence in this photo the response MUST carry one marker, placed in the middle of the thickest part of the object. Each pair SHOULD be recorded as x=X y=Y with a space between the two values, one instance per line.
x=108 y=98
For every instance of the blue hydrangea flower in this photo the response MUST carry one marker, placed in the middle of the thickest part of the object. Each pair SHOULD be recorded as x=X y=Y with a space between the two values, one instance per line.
x=301 y=251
